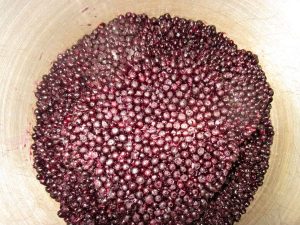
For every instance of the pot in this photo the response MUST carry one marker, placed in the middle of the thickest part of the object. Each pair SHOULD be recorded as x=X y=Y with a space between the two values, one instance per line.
x=34 y=32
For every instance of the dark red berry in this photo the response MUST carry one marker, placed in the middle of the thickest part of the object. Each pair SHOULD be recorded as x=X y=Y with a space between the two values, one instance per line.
x=153 y=121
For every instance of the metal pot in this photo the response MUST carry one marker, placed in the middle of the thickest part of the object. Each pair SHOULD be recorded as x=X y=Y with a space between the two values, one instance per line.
x=34 y=32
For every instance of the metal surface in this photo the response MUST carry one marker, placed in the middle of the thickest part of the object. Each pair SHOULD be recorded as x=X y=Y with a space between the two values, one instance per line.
x=33 y=32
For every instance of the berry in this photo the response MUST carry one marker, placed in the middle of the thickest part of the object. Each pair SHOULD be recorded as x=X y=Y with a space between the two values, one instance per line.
x=153 y=121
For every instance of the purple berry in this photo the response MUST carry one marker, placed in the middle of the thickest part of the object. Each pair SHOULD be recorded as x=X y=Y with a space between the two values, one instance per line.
x=153 y=121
